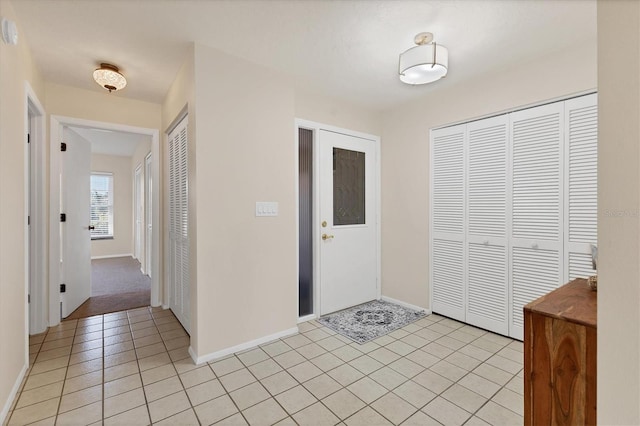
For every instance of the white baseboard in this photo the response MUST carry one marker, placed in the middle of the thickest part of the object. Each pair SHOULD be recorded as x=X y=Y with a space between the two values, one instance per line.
x=306 y=318
x=405 y=304
x=111 y=256
x=12 y=395
x=241 y=347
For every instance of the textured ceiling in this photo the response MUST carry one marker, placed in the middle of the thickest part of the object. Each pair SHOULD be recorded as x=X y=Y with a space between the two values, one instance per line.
x=346 y=49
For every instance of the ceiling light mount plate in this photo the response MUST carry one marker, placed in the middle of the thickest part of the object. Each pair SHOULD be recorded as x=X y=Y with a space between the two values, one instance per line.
x=423 y=38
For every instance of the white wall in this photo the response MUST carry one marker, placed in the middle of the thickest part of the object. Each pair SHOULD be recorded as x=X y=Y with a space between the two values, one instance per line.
x=619 y=212
x=122 y=242
x=16 y=67
x=405 y=153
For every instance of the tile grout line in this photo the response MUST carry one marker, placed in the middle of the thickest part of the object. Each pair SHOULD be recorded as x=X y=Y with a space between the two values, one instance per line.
x=310 y=360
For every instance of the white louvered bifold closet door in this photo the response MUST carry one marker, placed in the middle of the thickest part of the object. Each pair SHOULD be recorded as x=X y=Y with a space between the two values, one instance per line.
x=487 y=219
x=537 y=191
x=447 y=224
x=581 y=183
x=179 y=224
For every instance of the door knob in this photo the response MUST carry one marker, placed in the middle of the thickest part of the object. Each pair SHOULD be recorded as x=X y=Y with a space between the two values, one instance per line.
x=326 y=237
x=91 y=227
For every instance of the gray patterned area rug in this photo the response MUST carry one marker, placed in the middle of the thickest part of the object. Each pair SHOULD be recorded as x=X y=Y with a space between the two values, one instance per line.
x=370 y=320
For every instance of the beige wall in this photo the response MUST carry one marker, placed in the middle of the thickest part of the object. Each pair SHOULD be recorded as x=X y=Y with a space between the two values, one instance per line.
x=322 y=109
x=405 y=154
x=242 y=151
x=101 y=106
x=246 y=269
x=16 y=67
x=619 y=207
x=122 y=242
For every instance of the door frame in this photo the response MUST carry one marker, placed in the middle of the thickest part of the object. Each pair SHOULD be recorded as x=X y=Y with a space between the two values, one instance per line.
x=315 y=127
x=35 y=190
x=138 y=205
x=148 y=212
x=55 y=130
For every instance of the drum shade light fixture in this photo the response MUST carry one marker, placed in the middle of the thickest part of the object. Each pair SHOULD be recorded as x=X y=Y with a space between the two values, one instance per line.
x=109 y=77
x=424 y=63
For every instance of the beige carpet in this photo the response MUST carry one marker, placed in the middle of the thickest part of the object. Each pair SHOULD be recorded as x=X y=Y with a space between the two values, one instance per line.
x=116 y=276
x=116 y=285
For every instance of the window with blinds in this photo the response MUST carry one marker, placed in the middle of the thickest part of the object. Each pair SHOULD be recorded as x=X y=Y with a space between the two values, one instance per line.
x=101 y=205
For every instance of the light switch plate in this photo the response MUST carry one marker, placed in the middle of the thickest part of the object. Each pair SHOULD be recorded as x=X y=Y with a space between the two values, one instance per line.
x=266 y=208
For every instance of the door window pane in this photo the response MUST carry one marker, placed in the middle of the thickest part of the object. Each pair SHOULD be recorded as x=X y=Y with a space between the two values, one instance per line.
x=348 y=187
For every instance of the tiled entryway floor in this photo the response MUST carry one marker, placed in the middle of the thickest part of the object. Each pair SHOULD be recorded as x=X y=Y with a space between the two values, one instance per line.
x=133 y=368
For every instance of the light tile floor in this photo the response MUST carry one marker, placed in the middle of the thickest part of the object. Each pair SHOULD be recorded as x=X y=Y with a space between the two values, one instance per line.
x=133 y=368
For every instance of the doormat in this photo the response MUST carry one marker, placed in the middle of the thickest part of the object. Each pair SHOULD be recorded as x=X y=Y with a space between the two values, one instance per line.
x=370 y=320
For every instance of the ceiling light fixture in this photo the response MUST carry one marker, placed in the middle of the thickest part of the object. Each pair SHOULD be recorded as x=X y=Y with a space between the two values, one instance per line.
x=9 y=32
x=109 y=77
x=424 y=63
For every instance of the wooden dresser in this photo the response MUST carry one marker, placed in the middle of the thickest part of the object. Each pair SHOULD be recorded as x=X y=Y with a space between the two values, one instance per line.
x=560 y=357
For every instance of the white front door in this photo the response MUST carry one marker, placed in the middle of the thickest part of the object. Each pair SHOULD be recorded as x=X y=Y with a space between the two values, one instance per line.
x=348 y=229
x=75 y=265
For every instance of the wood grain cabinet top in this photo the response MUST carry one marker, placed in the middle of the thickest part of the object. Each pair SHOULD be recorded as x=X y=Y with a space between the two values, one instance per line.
x=560 y=357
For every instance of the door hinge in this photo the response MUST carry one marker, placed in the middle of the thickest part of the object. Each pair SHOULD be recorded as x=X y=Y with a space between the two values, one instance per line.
x=63 y=147
x=28 y=220
x=28 y=298
x=28 y=138
x=63 y=288
x=63 y=217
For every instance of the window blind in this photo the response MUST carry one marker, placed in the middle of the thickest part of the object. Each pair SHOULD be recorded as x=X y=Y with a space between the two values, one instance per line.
x=101 y=205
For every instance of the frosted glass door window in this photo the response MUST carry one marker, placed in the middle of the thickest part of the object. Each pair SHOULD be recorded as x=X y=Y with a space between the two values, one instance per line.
x=348 y=187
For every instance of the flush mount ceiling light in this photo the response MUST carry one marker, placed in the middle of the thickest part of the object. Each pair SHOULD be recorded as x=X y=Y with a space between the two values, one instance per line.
x=424 y=63
x=109 y=77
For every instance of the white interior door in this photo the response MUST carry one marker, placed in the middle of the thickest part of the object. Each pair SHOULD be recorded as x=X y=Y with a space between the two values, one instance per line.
x=536 y=198
x=348 y=249
x=487 y=222
x=148 y=185
x=581 y=184
x=179 y=283
x=448 y=271
x=138 y=225
x=75 y=262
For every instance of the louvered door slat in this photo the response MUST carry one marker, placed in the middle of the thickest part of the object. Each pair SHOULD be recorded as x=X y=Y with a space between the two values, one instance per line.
x=581 y=181
x=448 y=277
x=487 y=170
x=447 y=222
x=178 y=224
x=537 y=192
x=534 y=273
x=488 y=292
x=448 y=180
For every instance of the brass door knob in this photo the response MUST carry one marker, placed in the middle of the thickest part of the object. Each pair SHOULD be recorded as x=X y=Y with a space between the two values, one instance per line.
x=326 y=237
